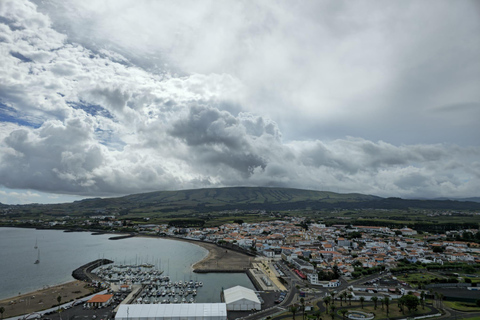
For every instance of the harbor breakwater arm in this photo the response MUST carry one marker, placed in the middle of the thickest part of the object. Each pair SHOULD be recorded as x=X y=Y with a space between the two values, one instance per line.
x=84 y=273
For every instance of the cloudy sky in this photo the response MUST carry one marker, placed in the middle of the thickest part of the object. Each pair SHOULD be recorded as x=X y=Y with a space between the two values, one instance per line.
x=113 y=97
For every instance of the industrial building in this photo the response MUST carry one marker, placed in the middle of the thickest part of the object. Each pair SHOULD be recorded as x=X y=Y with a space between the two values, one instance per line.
x=241 y=299
x=184 y=311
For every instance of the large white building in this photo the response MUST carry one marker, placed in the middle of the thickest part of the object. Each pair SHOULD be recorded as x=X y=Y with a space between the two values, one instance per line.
x=186 y=311
x=241 y=299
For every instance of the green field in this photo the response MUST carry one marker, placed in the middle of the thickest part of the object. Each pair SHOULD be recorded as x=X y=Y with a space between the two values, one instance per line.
x=462 y=306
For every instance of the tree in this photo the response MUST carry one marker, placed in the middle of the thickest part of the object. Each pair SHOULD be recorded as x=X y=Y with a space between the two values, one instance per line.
x=477 y=303
x=59 y=299
x=344 y=296
x=343 y=312
x=387 y=303
x=382 y=302
x=422 y=299
x=401 y=303
x=327 y=300
x=333 y=297
x=350 y=296
x=410 y=301
x=374 y=299
x=317 y=314
x=362 y=299
x=332 y=308
x=302 y=301
x=293 y=309
x=332 y=315
x=2 y=310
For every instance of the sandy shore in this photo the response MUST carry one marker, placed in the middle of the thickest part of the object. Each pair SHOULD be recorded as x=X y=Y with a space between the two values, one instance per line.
x=221 y=259
x=218 y=259
x=43 y=299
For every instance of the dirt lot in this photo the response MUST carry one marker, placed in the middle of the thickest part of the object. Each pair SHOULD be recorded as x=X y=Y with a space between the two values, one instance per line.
x=43 y=299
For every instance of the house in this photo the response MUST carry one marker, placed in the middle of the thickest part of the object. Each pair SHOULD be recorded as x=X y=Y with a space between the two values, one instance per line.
x=312 y=278
x=100 y=300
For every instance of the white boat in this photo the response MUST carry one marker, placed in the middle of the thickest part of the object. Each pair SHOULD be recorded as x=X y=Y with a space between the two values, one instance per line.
x=38 y=258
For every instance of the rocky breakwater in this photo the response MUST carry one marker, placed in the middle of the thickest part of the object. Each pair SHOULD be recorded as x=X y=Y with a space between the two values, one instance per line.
x=84 y=273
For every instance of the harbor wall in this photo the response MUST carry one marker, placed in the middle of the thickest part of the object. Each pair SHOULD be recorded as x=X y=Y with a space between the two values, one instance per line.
x=84 y=272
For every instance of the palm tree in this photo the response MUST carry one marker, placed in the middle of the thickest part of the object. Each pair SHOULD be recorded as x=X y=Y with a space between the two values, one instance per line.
x=332 y=315
x=302 y=301
x=2 y=310
x=317 y=314
x=422 y=299
x=400 y=305
x=344 y=295
x=293 y=309
x=387 y=303
x=382 y=302
x=362 y=299
x=332 y=308
x=327 y=300
x=59 y=299
x=374 y=299
x=350 y=296
x=333 y=297
x=343 y=312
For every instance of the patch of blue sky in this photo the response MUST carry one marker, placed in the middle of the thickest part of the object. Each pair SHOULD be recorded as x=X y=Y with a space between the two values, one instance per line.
x=91 y=109
x=108 y=139
x=9 y=114
x=20 y=56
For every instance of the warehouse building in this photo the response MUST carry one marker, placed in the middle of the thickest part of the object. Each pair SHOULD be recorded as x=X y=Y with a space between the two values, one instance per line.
x=186 y=311
x=241 y=299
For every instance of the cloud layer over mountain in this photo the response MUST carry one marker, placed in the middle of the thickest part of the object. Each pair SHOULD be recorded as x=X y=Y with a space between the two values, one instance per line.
x=119 y=97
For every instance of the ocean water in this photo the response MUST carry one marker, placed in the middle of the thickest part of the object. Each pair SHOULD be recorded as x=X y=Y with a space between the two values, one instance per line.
x=62 y=252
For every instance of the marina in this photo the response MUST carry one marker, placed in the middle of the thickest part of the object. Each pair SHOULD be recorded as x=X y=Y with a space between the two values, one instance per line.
x=63 y=252
x=155 y=286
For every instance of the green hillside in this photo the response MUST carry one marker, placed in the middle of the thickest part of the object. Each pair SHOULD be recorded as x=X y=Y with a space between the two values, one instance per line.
x=222 y=197
x=215 y=206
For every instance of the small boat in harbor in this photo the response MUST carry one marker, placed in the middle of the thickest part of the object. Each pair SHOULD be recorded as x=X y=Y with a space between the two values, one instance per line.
x=38 y=258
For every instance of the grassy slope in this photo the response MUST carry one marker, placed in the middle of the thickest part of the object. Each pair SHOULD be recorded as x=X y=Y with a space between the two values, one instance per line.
x=220 y=197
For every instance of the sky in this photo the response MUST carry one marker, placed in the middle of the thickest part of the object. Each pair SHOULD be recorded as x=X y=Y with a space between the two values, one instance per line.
x=114 y=97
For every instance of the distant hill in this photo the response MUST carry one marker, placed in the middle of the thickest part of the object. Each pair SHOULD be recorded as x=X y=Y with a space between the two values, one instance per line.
x=207 y=200
x=471 y=199
x=238 y=197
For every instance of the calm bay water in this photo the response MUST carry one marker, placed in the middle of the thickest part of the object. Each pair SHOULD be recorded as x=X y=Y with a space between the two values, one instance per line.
x=62 y=252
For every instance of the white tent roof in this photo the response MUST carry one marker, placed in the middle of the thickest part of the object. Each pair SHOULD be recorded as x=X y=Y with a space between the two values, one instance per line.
x=187 y=310
x=238 y=293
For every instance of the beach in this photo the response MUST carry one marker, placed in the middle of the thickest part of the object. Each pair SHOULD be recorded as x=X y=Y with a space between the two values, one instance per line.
x=220 y=259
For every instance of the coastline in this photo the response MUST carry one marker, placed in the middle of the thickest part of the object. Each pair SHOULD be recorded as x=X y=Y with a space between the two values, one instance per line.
x=217 y=259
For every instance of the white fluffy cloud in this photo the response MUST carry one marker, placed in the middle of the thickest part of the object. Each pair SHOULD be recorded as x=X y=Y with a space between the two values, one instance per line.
x=210 y=106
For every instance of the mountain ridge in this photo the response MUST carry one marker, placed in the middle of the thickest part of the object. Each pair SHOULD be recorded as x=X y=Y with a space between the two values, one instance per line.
x=243 y=198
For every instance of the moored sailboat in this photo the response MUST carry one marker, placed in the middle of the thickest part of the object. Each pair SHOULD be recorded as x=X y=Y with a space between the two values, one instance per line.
x=38 y=258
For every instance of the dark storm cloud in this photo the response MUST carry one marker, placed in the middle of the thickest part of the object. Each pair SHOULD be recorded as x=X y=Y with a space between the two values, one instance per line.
x=216 y=137
x=342 y=96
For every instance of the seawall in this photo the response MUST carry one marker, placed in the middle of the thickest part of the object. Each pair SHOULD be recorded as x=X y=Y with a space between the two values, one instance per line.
x=84 y=272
